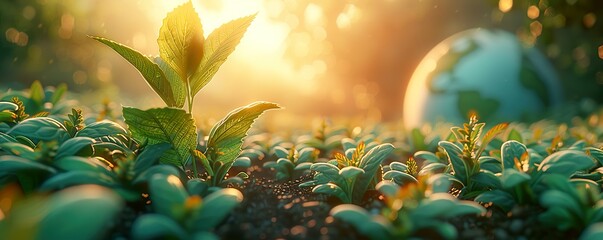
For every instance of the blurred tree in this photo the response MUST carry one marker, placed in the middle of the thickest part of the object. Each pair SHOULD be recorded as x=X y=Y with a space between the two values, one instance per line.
x=39 y=43
x=571 y=33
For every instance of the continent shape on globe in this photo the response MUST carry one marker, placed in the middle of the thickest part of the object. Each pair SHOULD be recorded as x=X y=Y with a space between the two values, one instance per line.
x=488 y=72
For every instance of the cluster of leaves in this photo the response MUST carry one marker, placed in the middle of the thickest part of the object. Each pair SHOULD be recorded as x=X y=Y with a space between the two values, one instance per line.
x=39 y=154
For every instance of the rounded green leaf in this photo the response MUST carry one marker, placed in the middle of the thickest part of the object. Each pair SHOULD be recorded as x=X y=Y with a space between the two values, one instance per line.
x=75 y=145
x=40 y=129
x=76 y=163
x=73 y=178
x=167 y=194
x=440 y=183
x=398 y=166
x=511 y=178
x=242 y=162
x=427 y=156
x=374 y=227
x=100 y=129
x=594 y=231
x=88 y=209
x=387 y=188
x=157 y=226
x=566 y=162
x=14 y=164
x=511 y=151
x=216 y=206
x=398 y=177
x=280 y=152
x=332 y=190
x=499 y=198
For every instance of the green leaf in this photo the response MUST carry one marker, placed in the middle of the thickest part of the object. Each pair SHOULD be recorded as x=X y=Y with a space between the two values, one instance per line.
x=216 y=206
x=370 y=163
x=350 y=172
x=72 y=178
x=157 y=226
x=162 y=169
x=555 y=199
x=332 y=190
x=89 y=209
x=8 y=106
x=433 y=168
x=511 y=178
x=454 y=156
x=40 y=129
x=58 y=93
x=388 y=189
x=178 y=86
x=101 y=129
x=427 y=156
x=594 y=231
x=329 y=172
x=167 y=194
x=75 y=163
x=398 y=166
x=74 y=145
x=566 y=162
x=440 y=183
x=14 y=164
x=170 y=125
x=512 y=151
x=216 y=48
x=151 y=72
x=226 y=137
x=401 y=178
x=36 y=93
x=515 y=135
x=499 y=198
x=5 y=138
x=181 y=40
x=149 y=156
x=361 y=220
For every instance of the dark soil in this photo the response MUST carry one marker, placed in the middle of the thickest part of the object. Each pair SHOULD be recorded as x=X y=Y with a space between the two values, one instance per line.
x=282 y=210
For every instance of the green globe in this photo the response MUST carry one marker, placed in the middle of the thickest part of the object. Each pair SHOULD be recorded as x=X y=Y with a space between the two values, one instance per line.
x=488 y=72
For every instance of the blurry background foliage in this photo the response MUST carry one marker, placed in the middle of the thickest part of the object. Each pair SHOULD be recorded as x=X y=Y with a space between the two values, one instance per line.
x=350 y=57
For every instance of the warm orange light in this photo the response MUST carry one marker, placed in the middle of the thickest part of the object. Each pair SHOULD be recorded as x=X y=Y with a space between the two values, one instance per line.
x=533 y=12
x=505 y=5
x=601 y=52
x=589 y=20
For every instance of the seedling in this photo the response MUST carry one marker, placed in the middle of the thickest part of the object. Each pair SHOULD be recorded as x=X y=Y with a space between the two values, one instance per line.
x=187 y=62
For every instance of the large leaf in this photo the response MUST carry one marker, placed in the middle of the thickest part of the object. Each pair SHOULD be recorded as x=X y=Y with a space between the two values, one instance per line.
x=181 y=40
x=151 y=72
x=217 y=47
x=178 y=86
x=454 y=156
x=499 y=198
x=40 y=128
x=226 y=137
x=89 y=209
x=170 y=125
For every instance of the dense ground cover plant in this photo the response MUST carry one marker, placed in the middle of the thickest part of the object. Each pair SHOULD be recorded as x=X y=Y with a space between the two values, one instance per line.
x=155 y=175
